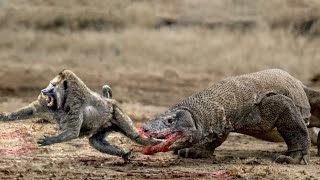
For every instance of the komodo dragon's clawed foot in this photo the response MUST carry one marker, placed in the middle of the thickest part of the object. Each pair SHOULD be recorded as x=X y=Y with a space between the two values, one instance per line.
x=292 y=158
x=194 y=153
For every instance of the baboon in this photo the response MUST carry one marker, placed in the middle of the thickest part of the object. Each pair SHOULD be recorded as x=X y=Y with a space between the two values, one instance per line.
x=80 y=112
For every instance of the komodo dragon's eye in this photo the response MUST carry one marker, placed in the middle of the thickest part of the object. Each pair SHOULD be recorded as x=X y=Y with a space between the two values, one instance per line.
x=170 y=121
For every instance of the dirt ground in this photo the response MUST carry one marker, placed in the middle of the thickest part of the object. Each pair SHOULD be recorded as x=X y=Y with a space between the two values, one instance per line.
x=240 y=157
x=152 y=55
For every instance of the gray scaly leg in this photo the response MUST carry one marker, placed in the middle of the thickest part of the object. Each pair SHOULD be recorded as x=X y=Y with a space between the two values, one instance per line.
x=291 y=126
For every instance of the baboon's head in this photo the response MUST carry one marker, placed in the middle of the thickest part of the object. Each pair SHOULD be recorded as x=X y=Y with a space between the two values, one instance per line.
x=55 y=93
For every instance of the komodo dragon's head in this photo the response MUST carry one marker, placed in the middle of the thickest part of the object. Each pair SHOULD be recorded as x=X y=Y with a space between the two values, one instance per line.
x=175 y=128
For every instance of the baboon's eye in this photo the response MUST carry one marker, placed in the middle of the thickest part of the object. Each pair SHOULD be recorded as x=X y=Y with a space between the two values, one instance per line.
x=65 y=84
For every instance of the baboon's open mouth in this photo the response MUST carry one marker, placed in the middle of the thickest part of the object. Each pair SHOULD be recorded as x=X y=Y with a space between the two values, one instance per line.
x=49 y=100
x=163 y=146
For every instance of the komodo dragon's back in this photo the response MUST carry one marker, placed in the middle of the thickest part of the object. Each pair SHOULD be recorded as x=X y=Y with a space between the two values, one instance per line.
x=230 y=95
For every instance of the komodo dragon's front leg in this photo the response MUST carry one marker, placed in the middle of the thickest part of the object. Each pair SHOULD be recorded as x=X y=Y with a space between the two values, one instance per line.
x=198 y=151
x=281 y=112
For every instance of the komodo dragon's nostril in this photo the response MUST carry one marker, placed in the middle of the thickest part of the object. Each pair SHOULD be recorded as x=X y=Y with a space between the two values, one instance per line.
x=145 y=130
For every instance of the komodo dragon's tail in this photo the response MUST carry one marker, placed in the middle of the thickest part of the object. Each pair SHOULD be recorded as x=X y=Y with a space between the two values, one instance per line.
x=314 y=100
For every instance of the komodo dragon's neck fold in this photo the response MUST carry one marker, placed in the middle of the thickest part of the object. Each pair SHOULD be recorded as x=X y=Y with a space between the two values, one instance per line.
x=192 y=115
x=198 y=132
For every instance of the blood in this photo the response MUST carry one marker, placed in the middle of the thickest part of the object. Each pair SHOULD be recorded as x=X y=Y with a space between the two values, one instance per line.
x=158 y=147
x=162 y=146
x=28 y=145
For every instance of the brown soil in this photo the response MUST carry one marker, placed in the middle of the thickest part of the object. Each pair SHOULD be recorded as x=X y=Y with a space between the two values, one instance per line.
x=240 y=157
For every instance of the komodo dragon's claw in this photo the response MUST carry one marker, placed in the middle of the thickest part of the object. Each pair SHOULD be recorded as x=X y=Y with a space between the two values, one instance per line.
x=290 y=160
x=305 y=159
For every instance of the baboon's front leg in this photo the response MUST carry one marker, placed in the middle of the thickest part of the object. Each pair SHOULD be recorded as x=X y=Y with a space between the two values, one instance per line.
x=26 y=112
x=98 y=142
x=70 y=127
x=64 y=136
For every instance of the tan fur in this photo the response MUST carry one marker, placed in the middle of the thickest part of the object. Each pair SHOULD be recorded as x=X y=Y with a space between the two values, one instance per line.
x=80 y=112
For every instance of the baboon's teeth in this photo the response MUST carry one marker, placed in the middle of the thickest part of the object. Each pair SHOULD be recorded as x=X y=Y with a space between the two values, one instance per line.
x=49 y=101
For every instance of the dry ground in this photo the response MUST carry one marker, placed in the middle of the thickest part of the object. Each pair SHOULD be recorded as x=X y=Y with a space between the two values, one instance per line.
x=153 y=54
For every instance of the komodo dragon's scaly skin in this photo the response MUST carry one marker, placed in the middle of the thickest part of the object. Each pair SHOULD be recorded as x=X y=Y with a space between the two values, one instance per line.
x=252 y=104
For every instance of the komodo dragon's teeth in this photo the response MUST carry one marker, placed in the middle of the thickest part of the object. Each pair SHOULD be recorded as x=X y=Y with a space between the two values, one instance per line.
x=162 y=140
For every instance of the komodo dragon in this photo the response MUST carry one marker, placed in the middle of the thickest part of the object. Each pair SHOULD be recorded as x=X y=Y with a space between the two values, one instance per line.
x=252 y=104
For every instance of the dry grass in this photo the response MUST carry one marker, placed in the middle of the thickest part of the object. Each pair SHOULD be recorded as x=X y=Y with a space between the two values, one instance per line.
x=120 y=42
x=194 y=51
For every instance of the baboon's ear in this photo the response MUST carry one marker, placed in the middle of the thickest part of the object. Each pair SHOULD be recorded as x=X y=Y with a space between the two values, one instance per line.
x=65 y=84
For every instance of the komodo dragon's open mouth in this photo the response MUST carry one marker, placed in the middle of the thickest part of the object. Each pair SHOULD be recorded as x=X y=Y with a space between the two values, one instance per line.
x=166 y=141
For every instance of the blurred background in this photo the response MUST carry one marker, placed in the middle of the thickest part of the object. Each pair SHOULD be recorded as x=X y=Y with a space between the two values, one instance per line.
x=152 y=53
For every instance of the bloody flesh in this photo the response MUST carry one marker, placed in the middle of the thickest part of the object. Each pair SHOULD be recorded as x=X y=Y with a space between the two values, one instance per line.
x=159 y=146
x=162 y=146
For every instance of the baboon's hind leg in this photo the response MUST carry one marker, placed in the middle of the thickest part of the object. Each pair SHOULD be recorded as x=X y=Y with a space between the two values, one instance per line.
x=98 y=142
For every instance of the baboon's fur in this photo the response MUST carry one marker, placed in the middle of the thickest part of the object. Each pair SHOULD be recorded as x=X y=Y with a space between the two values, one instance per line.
x=79 y=112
